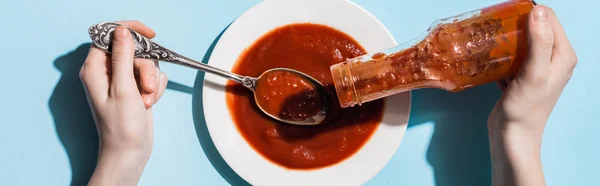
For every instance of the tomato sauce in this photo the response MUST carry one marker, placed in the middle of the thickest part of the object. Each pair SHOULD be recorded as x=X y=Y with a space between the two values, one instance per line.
x=311 y=49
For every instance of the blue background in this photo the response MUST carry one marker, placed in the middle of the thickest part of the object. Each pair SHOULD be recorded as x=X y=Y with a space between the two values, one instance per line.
x=47 y=135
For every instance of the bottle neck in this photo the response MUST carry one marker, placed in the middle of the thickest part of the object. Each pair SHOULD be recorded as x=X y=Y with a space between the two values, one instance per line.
x=375 y=76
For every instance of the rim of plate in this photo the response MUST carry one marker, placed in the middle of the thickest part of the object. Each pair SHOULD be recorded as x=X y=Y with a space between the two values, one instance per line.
x=342 y=15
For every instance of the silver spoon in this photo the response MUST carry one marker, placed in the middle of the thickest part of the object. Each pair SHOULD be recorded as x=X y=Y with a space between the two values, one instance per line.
x=101 y=35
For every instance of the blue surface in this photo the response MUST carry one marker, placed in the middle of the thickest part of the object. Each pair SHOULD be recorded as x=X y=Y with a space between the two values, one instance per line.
x=47 y=136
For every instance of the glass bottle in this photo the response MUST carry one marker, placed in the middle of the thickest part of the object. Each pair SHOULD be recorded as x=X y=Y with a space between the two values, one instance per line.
x=456 y=53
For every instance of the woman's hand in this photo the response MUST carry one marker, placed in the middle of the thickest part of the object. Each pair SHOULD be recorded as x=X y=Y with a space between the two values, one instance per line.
x=121 y=91
x=517 y=122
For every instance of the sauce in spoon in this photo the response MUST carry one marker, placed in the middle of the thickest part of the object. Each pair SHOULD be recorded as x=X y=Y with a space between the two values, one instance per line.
x=288 y=95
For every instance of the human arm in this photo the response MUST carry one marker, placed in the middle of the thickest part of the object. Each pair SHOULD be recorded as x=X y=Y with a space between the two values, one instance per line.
x=516 y=124
x=121 y=91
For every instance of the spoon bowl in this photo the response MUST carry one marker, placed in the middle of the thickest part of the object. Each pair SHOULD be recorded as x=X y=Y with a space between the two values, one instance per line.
x=291 y=96
x=102 y=33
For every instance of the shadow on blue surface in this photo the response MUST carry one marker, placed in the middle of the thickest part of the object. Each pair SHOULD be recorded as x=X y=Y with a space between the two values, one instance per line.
x=459 y=148
x=202 y=131
x=72 y=116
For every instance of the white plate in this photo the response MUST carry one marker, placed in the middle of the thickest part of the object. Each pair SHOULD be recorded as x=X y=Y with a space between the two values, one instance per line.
x=262 y=18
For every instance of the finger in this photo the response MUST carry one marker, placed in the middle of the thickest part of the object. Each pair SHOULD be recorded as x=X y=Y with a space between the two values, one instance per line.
x=139 y=27
x=122 y=61
x=148 y=83
x=93 y=74
x=564 y=58
x=164 y=80
x=147 y=72
x=536 y=68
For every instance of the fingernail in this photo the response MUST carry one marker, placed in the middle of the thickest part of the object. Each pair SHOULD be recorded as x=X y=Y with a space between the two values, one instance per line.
x=540 y=14
x=148 y=101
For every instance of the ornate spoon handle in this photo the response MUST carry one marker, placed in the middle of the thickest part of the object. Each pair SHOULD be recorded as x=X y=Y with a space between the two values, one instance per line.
x=101 y=35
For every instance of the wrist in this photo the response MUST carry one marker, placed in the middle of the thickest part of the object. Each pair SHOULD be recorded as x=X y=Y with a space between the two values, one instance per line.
x=125 y=148
x=515 y=141
x=125 y=153
x=117 y=166
x=129 y=143
x=515 y=154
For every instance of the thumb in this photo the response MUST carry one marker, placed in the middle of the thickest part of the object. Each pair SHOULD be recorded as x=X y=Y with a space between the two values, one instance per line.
x=541 y=40
x=122 y=60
